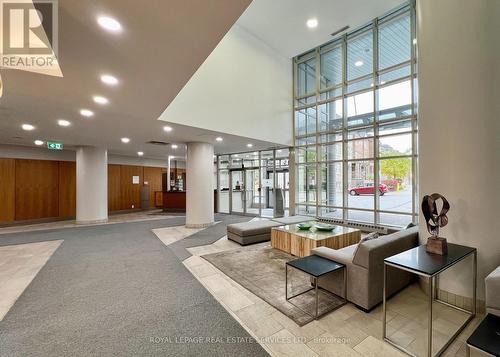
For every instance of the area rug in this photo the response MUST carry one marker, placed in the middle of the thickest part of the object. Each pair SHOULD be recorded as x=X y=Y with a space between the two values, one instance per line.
x=261 y=270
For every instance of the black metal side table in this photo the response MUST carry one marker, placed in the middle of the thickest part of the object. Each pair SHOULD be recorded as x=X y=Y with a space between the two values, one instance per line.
x=316 y=267
x=430 y=266
x=486 y=337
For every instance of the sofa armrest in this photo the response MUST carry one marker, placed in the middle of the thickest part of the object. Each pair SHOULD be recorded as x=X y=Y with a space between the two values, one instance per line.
x=336 y=255
x=492 y=282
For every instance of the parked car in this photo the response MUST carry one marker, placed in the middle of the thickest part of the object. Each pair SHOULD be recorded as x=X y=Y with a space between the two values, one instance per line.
x=367 y=189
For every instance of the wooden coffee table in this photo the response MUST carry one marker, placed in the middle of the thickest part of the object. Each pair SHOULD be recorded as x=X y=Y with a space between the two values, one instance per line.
x=298 y=242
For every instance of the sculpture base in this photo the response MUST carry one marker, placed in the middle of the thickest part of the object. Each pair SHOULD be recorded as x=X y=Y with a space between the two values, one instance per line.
x=437 y=245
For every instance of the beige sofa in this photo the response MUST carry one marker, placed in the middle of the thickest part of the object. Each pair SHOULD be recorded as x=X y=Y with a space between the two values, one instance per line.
x=492 y=283
x=365 y=267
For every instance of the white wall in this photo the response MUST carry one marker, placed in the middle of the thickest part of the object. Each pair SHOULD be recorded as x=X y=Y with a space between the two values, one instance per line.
x=34 y=153
x=243 y=88
x=459 y=119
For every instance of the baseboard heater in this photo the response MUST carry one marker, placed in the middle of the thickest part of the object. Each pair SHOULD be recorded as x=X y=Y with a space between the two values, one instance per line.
x=366 y=227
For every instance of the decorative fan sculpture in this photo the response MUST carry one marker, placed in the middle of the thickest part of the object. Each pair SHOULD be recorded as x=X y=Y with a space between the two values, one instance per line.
x=434 y=221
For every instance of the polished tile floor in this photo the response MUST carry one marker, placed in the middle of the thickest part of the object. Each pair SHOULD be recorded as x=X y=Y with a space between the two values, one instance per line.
x=347 y=331
x=19 y=264
x=147 y=215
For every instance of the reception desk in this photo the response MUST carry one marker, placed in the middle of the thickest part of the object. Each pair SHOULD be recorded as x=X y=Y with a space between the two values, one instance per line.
x=175 y=201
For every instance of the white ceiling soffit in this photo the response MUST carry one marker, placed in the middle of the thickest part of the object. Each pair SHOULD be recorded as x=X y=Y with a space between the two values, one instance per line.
x=282 y=23
x=162 y=44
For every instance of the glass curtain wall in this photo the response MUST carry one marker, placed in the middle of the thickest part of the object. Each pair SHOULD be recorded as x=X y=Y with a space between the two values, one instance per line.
x=356 y=124
x=251 y=183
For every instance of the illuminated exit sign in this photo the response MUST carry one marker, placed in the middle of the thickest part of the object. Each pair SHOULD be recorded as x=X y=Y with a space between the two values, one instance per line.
x=54 y=146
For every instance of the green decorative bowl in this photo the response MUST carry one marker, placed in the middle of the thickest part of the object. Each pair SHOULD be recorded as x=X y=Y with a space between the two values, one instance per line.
x=304 y=226
x=324 y=227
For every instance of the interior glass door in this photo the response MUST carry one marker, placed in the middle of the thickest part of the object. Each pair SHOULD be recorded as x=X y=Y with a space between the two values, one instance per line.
x=238 y=195
x=252 y=192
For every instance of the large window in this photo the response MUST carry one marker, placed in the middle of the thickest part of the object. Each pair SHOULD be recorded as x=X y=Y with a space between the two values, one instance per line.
x=356 y=124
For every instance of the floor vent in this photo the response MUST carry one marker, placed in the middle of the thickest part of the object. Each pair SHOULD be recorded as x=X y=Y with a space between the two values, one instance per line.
x=366 y=227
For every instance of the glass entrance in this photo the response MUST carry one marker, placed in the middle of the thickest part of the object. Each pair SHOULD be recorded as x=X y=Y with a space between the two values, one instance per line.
x=237 y=193
x=245 y=191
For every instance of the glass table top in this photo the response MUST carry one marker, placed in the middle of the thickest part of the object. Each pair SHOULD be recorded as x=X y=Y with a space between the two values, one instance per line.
x=315 y=234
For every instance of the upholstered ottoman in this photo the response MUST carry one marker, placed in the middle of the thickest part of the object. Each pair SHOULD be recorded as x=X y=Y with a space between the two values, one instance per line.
x=251 y=232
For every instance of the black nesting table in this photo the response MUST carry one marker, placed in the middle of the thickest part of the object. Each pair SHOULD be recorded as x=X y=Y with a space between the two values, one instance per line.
x=428 y=265
x=486 y=337
x=316 y=267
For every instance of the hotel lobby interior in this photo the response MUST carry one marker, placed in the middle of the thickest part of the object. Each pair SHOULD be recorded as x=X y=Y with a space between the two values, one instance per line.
x=249 y=178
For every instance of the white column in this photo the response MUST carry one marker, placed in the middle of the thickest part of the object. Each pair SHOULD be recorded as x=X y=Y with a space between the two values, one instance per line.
x=91 y=185
x=458 y=51
x=199 y=185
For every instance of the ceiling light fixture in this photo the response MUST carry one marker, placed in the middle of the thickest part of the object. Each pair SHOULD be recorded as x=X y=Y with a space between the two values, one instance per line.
x=140 y=153
x=109 y=23
x=27 y=127
x=414 y=41
x=109 y=79
x=63 y=122
x=358 y=63
x=100 y=100
x=218 y=139
x=87 y=113
x=39 y=142
x=167 y=129
x=173 y=146
x=312 y=23
x=236 y=155
x=249 y=145
x=279 y=150
x=125 y=140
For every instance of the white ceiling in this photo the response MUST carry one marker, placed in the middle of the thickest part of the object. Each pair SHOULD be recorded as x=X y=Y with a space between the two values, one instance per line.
x=282 y=23
x=162 y=45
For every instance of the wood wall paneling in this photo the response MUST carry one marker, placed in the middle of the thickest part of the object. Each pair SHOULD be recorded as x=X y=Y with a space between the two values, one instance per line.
x=130 y=193
x=37 y=189
x=152 y=175
x=67 y=189
x=114 y=190
x=7 y=190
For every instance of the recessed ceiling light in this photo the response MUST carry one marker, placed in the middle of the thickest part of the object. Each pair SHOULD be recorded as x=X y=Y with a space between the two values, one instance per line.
x=100 y=100
x=173 y=146
x=249 y=145
x=39 y=142
x=125 y=140
x=27 y=127
x=218 y=139
x=109 y=23
x=140 y=153
x=167 y=129
x=312 y=23
x=109 y=79
x=87 y=113
x=358 y=63
x=63 y=122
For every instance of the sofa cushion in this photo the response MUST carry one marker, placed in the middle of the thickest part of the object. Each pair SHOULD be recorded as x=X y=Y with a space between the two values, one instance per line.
x=370 y=236
x=293 y=219
x=252 y=228
x=376 y=250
